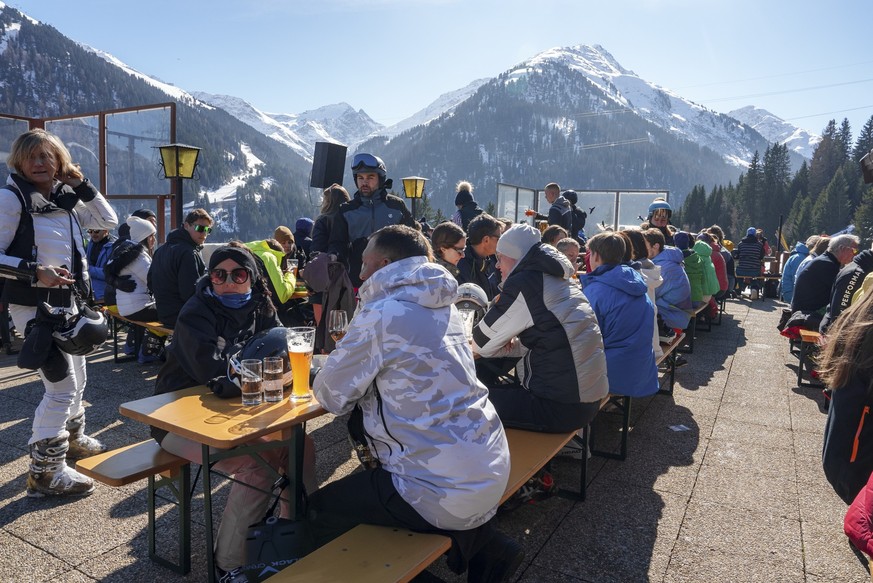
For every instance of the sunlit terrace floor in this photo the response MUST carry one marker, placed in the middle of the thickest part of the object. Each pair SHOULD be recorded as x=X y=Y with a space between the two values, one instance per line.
x=739 y=496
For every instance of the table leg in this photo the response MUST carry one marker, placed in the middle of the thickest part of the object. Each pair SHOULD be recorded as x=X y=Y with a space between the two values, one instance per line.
x=207 y=511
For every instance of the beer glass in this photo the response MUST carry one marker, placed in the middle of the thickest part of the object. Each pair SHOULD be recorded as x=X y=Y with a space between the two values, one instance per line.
x=337 y=324
x=274 y=368
x=252 y=381
x=468 y=316
x=301 y=341
x=292 y=266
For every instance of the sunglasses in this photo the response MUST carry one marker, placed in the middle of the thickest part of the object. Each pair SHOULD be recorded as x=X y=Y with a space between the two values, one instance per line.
x=365 y=160
x=238 y=275
x=92 y=231
x=202 y=229
x=459 y=250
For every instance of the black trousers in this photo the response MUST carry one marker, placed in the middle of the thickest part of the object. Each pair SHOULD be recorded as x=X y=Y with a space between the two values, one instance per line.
x=519 y=408
x=369 y=497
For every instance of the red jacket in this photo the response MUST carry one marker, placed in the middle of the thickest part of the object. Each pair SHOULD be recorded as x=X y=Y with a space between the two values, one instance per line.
x=720 y=267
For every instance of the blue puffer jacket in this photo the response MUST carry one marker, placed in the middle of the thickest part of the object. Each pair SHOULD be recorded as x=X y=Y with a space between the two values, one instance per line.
x=627 y=319
x=801 y=251
x=674 y=296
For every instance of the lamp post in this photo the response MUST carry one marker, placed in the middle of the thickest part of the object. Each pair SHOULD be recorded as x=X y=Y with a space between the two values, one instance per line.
x=179 y=161
x=413 y=187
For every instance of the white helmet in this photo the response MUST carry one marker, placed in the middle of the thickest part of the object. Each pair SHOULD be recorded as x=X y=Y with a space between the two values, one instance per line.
x=472 y=297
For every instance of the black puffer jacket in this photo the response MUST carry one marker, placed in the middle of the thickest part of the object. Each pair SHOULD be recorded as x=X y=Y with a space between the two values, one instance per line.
x=358 y=219
x=847 y=455
x=479 y=270
x=176 y=267
x=812 y=290
x=848 y=281
x=206 y=333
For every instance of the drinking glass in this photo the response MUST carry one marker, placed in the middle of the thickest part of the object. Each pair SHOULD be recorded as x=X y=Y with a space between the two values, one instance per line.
x=337 y=324
x=292 y=266
x=468 y=316
x=274 y=368
x=301 y=342
x=252 y=382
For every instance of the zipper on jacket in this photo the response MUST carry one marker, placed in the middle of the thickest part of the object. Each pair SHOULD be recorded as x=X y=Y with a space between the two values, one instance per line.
x=855 y=444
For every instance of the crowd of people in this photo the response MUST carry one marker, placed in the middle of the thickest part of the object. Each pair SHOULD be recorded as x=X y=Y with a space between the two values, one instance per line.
x=563 y=321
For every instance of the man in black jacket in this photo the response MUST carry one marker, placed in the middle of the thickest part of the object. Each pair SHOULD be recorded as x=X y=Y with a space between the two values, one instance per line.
x=812 y=291
x=178 y=264
x=479 y=263
x=848 y=281
x=370 y=209
x=560 y=212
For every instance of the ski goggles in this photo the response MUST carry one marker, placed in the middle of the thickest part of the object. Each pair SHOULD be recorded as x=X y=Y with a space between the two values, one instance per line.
x=365 y=161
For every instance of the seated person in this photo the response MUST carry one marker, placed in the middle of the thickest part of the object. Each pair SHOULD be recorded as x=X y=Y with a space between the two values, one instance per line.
x=441 y=455
x=280 y=280
x=750 y=257
x=701 y=273
x=848 y=281
x=673 y=296
x=98 y=250
x=449 y=245
x=129 y=262
x=229 y=306
x=812 y=289
x=478 y=264
x=553 y=234
x=569 y=247
x=562 y=375
x=625 y=314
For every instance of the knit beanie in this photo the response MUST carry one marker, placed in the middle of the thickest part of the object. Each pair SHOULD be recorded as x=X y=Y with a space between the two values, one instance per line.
x=140 y=229
x=304 y=225
x=463 y=197
x=283 y=235
x=243 y=257
x=682 y=240
x=571 y=196
x=518 y=240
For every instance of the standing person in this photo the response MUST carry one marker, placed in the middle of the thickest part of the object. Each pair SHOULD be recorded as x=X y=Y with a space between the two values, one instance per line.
x=371 y=209
x=559 y=212
x=333 y=197
x=479 y=265
x=846 y=367
x=303 y=239
x=45 y=199
x=660 y=213
x=468 y=208
x=577 y=226
x=552 y=328
x=97 y=251
x=443 y=458
x=449 y=245
x=178 y=264
x=228 y=307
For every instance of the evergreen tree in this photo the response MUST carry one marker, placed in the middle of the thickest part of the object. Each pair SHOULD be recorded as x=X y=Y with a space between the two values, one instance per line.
x=831 y=211
x=844 y=140
x=865 y=141
x=694 y=210
x=863 y=219
x=826 y=159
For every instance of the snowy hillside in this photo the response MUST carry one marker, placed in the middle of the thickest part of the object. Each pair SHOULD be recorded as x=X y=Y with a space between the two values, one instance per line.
x=778 y=130
x=445 y=103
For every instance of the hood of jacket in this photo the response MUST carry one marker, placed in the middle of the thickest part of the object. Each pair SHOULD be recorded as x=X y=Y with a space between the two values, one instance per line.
x=414 y=280
x=620 y=277
x=864 y=259
x=669 y=254
x=180 y=235
x=801 y=249
x=546 y=259
x=562 y=204
x=703 y=248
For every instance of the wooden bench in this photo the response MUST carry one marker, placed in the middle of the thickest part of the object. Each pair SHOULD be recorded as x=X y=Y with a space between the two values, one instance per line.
x=156 y=328
x=691 y=329
x=146 y=459
x=376 y=554
x=809 y=340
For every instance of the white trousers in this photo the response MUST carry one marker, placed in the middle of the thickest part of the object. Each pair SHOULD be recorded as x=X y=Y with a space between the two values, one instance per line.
x=61 y=400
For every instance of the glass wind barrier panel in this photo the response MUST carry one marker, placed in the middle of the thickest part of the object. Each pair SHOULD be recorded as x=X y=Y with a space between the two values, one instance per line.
x=133 y=162
x=81 y=135
x=513 y=200
x=634 y=206
x=9 y=130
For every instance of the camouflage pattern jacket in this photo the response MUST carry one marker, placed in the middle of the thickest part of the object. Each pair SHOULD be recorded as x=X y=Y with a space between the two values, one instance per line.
x=428 y=420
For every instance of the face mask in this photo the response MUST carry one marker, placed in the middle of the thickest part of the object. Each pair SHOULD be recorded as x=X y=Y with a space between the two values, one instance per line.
x=234 y=301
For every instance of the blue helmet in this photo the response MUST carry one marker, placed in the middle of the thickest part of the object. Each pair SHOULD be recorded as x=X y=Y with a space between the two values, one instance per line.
x=658 y=205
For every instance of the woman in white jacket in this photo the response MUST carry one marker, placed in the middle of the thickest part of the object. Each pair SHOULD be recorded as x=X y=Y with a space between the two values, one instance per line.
x=42 y=206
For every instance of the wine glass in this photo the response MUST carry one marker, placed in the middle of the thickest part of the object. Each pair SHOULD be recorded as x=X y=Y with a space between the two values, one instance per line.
x=337 y=324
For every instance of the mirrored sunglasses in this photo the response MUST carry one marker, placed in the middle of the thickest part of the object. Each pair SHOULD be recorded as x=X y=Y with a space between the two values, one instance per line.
x=238 y=275
x=202 y=229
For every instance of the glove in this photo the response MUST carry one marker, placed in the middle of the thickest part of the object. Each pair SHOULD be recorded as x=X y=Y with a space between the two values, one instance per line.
x=123 y=283
x=224 y=388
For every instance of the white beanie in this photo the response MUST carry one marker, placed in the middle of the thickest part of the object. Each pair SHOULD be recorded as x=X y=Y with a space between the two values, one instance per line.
x=140 y=229
x=518 y=240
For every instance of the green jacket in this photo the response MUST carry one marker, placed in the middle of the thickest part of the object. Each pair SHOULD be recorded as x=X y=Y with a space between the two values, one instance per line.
x=283 y=283
x=701 y=272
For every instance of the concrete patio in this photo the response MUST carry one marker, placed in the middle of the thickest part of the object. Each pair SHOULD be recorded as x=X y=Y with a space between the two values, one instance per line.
x=723 y=481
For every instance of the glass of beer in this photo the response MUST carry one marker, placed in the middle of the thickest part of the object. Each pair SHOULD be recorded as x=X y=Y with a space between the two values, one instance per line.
x=301 y=342
x=292 y=266
x=252 y=382
x=274 y=368
x=337 y=324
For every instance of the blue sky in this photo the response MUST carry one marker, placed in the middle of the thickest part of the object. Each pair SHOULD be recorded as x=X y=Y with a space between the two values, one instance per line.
x=805 y=61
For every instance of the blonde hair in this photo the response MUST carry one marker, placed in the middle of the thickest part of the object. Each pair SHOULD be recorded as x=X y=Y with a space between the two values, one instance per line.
x=27 y=143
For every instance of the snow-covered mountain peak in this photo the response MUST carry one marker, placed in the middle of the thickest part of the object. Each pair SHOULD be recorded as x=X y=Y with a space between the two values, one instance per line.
x=777 y=130
x=445 y=103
